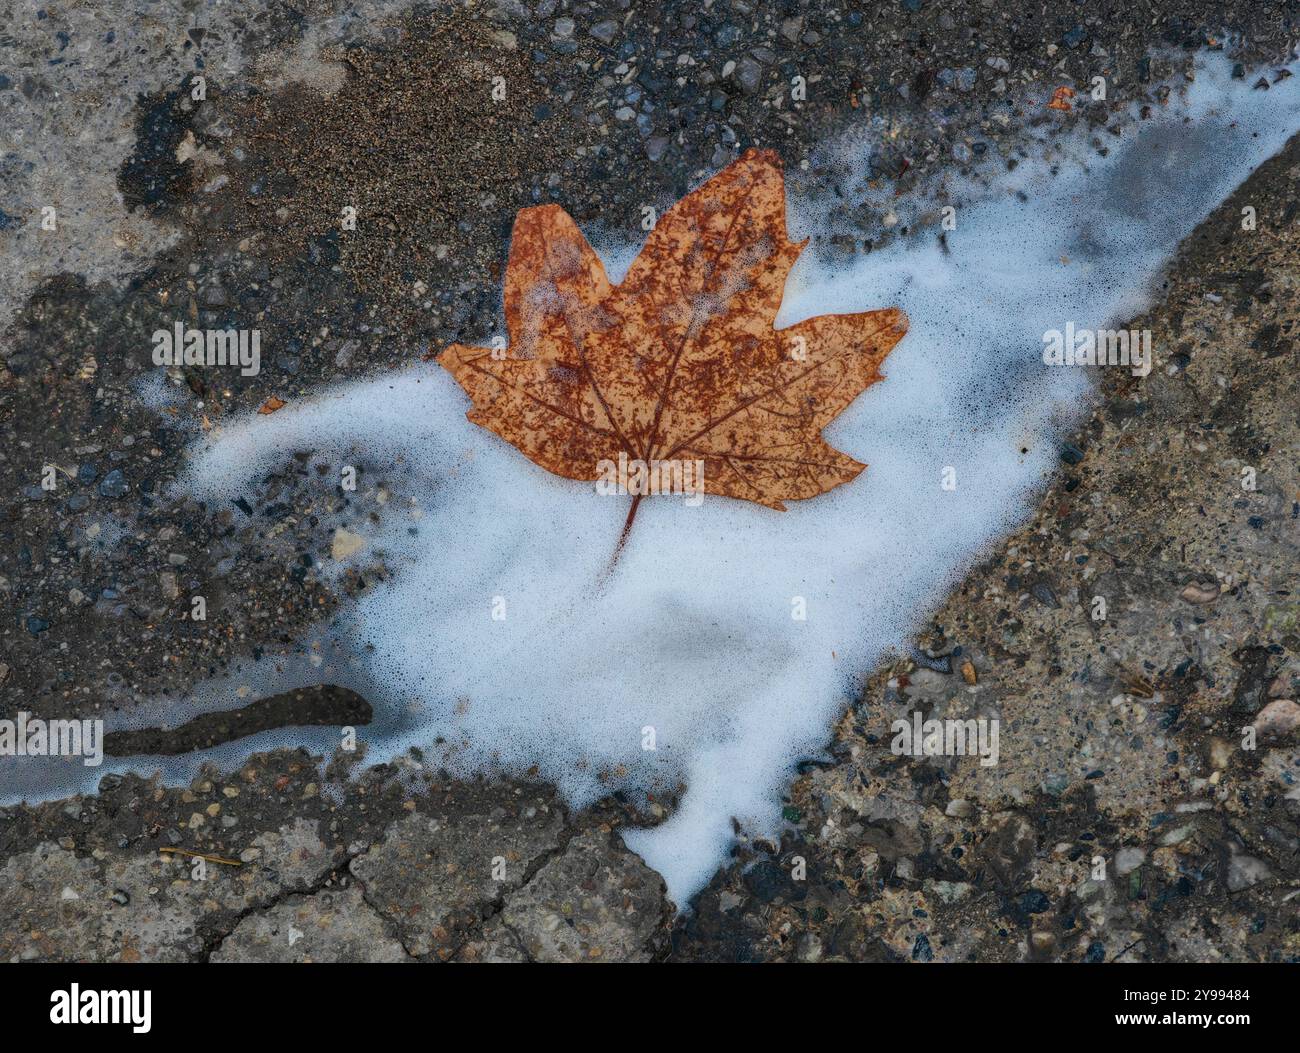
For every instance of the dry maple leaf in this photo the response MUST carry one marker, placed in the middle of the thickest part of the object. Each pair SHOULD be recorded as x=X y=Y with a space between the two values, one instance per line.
x=1061 y=99
x=679 y=362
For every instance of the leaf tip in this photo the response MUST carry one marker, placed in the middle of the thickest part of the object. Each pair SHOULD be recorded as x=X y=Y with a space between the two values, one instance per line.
x=761 y=156
x=541 y=216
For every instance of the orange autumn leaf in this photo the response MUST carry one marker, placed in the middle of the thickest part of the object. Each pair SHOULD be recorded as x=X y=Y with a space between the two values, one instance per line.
x=271 y=405
x=1061 y=99
x=681 y=361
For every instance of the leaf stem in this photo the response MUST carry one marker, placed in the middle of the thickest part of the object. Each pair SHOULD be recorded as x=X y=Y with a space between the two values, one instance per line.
x=622 y=538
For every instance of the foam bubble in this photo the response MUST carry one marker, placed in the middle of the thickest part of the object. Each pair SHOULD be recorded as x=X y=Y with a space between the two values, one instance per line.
x=693 y=636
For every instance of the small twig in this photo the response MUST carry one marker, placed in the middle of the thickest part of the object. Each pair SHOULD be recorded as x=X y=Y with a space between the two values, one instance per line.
x=1140 y=939
x=200 y=855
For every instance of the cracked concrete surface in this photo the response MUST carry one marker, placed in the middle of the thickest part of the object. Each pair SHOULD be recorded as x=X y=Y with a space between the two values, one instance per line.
x=145 y=907
x=336 y=925
x=415 y=894
x=594 y=901
x=478 y=871
x=434 y=876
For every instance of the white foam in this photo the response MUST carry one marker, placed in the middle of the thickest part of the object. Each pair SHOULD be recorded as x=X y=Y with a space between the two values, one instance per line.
x=693 y=636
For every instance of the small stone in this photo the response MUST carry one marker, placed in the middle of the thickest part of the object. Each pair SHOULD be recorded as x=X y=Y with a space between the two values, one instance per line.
x=968 y=672
x=809 y=948
x=1278 y=719
x=959 y=808
x=962 y=79
x=950 y=891
x=346 y=544
x=114 y=484
x=1195 y=593
x=942 y=664
x=563 y=28
x=726 y=36
x=1035 y=902
x=604 y=31
x=1043 y=593
x=1043 y=941
x=749 y=73
x=1220 y=753
x=1129 y=859
x=1244 y=871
